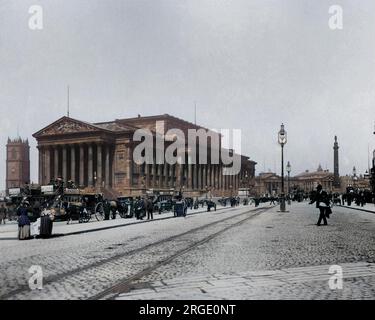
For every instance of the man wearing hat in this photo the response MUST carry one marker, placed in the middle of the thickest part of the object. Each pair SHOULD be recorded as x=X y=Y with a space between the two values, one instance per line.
x=322 y=203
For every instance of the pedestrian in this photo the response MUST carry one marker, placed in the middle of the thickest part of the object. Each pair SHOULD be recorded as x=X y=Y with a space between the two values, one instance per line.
x=349 y=198
x=46 y=222
x=322 y=203
x=3 y=213
x=150 y=209
x=107 y=210
x=140 y=208
x=362 y=199
x=23 y=222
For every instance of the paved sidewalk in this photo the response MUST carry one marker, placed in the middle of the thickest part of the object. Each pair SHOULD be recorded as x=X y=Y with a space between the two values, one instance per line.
x=368 y=207
x=9 y=231
x=289 y=283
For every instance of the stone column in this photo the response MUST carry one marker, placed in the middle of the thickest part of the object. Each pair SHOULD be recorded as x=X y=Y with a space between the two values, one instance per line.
x=204 y=176
x=209 y=172
x=73 y=163
x=56 y=160
x=190 y=174
x=107 y=171
x=166 y=174
x=40 y=165
x=147 y=173
x=224 y=181
x=160 y=175
x=153 y=174
x=99 y=166
x=217 y=176
x=47 y=165
x=90 y=166
x=178 y=176
x=64 y=164
x=43 y=150
x=81 y=164
x=213 y=177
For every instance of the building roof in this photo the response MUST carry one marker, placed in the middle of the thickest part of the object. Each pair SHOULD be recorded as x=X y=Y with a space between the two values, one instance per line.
x=317 y=174
x=66 y=125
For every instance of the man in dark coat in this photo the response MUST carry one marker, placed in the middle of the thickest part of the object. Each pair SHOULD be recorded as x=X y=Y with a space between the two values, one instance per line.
x=150 y=209
x=107 y=209
x=3 y=213
x=322 y=203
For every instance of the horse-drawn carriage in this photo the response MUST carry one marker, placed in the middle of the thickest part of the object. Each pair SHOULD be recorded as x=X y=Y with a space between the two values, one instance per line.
x=163 y=203
x=210 y=204
x=66 y=204
x=223 y=201
x=180 y=207
x=124 y=206
x=75 y=204
x=30 y=196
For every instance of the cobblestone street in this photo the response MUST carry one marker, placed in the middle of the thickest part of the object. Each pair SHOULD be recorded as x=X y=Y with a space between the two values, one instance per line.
x=240 y=253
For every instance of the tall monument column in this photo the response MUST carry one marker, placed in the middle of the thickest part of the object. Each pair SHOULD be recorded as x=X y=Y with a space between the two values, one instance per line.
x=336 y=181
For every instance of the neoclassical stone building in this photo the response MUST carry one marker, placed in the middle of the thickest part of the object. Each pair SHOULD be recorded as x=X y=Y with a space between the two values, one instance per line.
x=100 y=156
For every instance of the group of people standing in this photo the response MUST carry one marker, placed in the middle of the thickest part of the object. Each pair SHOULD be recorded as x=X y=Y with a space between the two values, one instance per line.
x=43 y=225
x=140 y=207
x=143 y=206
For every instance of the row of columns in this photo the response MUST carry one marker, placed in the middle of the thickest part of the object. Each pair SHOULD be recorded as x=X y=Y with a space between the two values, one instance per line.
x=76 y=162
x=190 y=176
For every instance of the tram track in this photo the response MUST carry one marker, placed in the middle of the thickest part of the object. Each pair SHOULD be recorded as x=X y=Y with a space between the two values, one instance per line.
x=125 y=283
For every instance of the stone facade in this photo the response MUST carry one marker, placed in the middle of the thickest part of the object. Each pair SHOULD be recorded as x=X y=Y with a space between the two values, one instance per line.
x=270 y=183
x=17 y=163
x=100 y=156
x=308 y=181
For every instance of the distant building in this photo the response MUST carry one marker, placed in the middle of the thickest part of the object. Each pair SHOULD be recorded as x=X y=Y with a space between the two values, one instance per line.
x=17 y=163
x=308 y=181
x=357 y=182
x=268 y=183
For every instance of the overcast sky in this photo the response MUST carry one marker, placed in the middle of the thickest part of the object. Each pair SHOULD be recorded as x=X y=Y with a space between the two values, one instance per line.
x=249 y=64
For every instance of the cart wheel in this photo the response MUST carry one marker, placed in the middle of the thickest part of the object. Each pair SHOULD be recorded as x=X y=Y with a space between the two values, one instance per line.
x=122 y=213
x=99 y=211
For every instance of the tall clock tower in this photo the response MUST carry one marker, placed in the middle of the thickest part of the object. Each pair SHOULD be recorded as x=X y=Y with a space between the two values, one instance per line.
x=17 y=163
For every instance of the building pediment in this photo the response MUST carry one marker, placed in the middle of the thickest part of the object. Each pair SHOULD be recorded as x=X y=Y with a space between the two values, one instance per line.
x=66 y=125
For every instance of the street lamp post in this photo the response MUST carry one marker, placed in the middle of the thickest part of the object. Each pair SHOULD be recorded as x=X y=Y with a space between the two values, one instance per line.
x=247 y=184
x=288 y=169
x=282 y=141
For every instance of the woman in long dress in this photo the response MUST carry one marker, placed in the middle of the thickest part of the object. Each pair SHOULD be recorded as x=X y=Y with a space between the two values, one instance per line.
x=23 y=223
x=46 y=223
